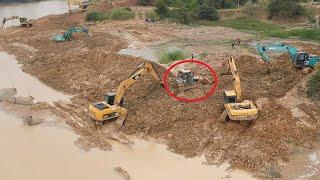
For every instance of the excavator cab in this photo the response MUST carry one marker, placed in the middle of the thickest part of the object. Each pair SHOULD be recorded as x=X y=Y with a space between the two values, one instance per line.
x=185 y=77
x=230 y=97
x=302 y=59
x=110 y=98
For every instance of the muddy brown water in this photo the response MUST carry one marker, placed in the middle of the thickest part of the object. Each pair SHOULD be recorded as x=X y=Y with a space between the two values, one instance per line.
x=12 y=76
x=43 y=152
x=31 y=10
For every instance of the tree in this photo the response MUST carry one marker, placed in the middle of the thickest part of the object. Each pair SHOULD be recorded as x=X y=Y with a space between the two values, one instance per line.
x=145 y=2
x=161 y=8
x=285 y=9
x=207 y=11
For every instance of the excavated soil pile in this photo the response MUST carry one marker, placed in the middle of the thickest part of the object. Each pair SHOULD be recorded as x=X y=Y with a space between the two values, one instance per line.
x=88 y=68
x=267 y=80
x=192 y=129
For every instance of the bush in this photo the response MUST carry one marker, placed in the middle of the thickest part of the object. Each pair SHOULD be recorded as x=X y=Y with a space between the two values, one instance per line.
x=145 y=2
x=121 y=14
x=161 y=8
x=284 y=9
x=313 y=87
x=171 y=55
x=95 y=16
x=208 y=12
x=153 y=15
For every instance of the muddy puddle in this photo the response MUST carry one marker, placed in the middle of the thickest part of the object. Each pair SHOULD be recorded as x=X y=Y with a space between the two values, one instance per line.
x=12 y=76
x=31 y=10
x=43 y=152
x=147 y=53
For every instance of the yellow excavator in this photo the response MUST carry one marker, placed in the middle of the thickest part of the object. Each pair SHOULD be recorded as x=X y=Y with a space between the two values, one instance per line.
x=112 y=106
x=24 y=22
x=83 y=4
x=235 y=108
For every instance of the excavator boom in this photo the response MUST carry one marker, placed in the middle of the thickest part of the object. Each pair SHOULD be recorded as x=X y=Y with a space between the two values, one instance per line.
x=143 y=69
x=232 y=68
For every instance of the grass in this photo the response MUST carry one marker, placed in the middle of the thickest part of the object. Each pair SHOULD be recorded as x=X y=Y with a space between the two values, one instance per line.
x=171 y=55
x=116 y=14
x=268 y=29
x=121 y=14
x=96 y=16
x=303 y=33
x=153 y=15
x=313 y=87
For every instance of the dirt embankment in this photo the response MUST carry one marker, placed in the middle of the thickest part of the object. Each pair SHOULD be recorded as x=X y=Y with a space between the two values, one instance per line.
x=90 y=67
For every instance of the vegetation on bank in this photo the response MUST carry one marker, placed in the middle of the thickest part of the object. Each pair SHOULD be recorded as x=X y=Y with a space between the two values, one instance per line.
x=172 y=55
x=265 y=29
x=186 y=11
x=116 y=14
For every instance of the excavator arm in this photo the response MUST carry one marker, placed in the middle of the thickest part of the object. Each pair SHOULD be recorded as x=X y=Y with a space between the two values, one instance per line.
x=277 y=47
x=143 y=69
x=232 y=68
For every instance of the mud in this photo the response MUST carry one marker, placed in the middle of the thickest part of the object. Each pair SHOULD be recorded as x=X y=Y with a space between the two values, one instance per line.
x=90 y=67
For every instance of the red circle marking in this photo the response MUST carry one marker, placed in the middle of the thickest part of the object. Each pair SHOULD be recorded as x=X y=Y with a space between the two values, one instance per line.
x=198 y=99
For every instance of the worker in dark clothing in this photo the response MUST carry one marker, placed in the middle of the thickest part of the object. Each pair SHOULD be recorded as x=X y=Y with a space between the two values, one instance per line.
x=233 y=44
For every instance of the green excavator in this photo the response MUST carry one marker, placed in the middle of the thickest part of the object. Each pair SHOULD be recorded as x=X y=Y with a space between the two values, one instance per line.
x=67 y=36
x=299 y=59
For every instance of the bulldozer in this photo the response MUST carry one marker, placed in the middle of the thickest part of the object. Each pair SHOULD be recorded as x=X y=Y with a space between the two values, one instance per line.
x=24 y=22
x=112 y=106
x=234 y=107
x=186 y=77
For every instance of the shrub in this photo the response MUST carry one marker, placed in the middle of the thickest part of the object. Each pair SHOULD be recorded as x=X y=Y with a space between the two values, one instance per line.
x=313 y=87
x=121 y=14
x=171 y=55
x=153 y=15
x=145 y=2
x=96 y=16
x=127 y=8
x=284 y=9
x=161 y=8
x=207 y=11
